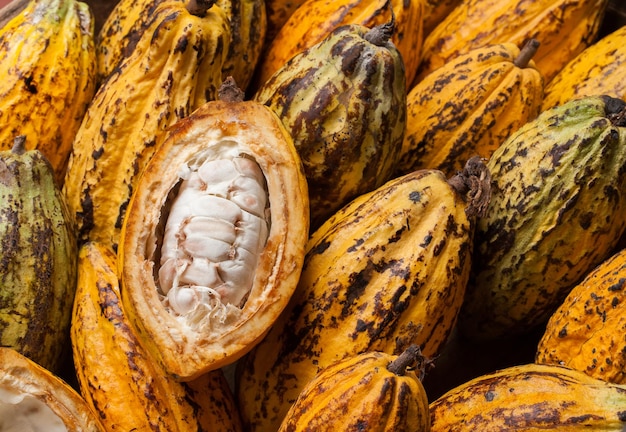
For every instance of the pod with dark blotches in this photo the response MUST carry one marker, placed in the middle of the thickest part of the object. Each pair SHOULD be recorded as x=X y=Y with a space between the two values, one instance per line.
x=174 y=68
x=372 y=391
x=470 y=106
x=37 y=259
x=599 y=69
x=531 y=397
x=557 y=210
x=587 y=331
x=343 y=101
x=386 y=271
x=119 y=379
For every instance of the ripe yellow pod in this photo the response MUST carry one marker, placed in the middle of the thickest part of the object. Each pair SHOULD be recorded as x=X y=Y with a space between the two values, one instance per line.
x=587 y=331
x=213 y=240
x=563 y=27
x=599 y=69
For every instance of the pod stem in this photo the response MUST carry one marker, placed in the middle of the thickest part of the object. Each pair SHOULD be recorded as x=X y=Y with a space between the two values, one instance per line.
x=380 y=34
x=474 y=183
x=199 y=7
x=410 y=357
x=615 y=110
x=526 y=53
x=19 y=145
x=229 y=91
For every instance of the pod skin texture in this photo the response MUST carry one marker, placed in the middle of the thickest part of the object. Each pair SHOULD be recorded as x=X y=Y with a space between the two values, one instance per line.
x=20 y=377
x=564 y=28
x=38 y=260
x=215 y=131
x=372 y=391
x=48 y=64
x=131 y=111
x=314 y=20
x=469 y=107
x=119 y=379
x=557 y=211
x=599 y=69
x=344 y=103
x=387 y=270
x=587 y=331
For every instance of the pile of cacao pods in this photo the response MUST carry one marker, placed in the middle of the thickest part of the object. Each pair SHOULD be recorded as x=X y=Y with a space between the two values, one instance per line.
x=271 y=215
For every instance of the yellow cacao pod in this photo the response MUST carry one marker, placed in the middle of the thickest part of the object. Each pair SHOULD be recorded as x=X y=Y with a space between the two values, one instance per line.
x=469 y=107
x=563 y=27
x=530 y=397
x=48 y=64
x=372 y=391
x=278 y=12
x=213 y=240
x=586 y=331
x=386 y=271
x=314 y=20
x=33 y=398
x=557 y=211
x=435 y=11
x=174 y=68
x=127 y=389
x=38 y=259
x=346 y=114
x=599 y=69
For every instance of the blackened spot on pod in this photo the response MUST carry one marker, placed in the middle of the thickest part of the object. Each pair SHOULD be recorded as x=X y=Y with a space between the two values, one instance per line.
x=181 y=44
x=585 y=220
x=356 y=245
x=621 y=415
x=319 y=249
x=31 y=87
x=171 y=17
x=618 y=286
x=350 y=56
x=563 y=332
x=490 y=396
x=427 y=240
x=415 y=196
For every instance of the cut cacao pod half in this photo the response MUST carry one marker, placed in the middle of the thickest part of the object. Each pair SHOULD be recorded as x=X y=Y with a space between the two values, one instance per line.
x=34 y=399
x=213 y=239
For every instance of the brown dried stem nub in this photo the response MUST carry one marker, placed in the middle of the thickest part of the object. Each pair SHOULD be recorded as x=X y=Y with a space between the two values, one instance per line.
x=381 y=34
x=199 y=7
x=410 y=358
x=474 y=184
x=229 y=91
x=19 y=145
x=526 y=53
x=615 y=110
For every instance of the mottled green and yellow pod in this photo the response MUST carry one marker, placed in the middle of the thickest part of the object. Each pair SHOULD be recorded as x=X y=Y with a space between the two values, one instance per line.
x=557 y=210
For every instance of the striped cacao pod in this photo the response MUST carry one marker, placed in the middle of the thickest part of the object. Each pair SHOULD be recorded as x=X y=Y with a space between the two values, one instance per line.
x=48 y=64
x=386 y=271
x=38 y=261
x=213 y=240
x=557 y=211
x=344 y=103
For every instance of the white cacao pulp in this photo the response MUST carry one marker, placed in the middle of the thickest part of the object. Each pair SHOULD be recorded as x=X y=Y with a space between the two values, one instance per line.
x=215 y=231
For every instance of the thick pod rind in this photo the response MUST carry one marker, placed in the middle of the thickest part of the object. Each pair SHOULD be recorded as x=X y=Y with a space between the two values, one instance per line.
x=531 y=397
x=26 y=386
x=218 y=130
x=557 y=210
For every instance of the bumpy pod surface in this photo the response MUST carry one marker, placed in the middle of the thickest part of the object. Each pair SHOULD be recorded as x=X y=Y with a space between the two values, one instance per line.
x=557 y=211
x=599 y=69
x=38 y=259
x=32 y=396
x=587 y=331
x=48 y=63
x=174 y=68
x=469 y=107
x=315 y=20
x=343 y=101
x=563 y=27
x=372 y=391
x=119 y=380
x=386 y=271
x=213 y=241
x=531 y=397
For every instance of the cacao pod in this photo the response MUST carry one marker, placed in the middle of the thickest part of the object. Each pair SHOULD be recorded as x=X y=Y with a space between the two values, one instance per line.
x=386 y=271
x=586 y=331
x=557 y=211
x=530 y=397
x=564 y=28
x=372 y=391
x=469 y=107
x=175 y=68
x=344 y=103
x=435 y=11
x=33 y=398
x=213 y=240
x=48 y=64
x=599 y=69
x=38 y=261
x=118 y=378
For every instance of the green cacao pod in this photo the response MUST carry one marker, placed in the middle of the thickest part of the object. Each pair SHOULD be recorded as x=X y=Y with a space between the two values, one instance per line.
x=344 y=102
x=38 y=259
x=557 y=210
